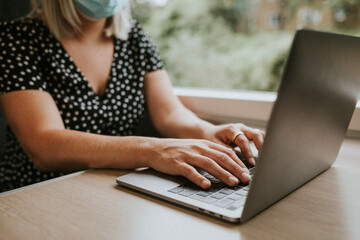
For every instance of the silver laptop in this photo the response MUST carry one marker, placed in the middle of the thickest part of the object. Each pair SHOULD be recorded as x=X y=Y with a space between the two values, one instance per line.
x=315 y=103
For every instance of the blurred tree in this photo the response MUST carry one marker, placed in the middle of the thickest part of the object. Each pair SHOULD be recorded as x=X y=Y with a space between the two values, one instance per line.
x=142 y=11
x=234 y=12
x=276 y=70
x=346 y=13
x=203 y=43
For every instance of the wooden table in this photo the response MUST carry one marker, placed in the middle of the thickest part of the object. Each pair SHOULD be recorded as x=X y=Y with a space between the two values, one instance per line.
x=89 y=205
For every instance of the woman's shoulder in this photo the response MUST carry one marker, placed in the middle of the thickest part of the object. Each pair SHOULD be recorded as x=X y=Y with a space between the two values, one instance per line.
x=137 y=33
x=135 y=29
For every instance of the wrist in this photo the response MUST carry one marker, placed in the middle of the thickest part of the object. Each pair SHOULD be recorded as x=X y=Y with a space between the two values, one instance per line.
x=131 y=152
x=206 y=130
x=150 y=151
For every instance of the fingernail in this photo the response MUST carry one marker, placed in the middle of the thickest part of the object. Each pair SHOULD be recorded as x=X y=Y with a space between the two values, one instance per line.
x=246 y=177
x=205 y=183
x=252 y=161
x=233 y=180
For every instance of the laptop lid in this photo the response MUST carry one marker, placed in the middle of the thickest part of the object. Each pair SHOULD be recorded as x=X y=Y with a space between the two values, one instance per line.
x=315 y=103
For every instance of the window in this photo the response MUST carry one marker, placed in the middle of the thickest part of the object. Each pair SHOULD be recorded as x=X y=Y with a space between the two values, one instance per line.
x=275 y=21
x=236 y=44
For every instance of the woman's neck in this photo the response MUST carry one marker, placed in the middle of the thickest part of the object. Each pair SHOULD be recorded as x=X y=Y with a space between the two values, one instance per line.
x=91 y=31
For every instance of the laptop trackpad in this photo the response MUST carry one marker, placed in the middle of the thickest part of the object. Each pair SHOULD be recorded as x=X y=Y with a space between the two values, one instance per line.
x=150 y=179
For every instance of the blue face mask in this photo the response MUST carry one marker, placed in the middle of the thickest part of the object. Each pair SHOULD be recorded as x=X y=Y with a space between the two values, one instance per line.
x=98 y=9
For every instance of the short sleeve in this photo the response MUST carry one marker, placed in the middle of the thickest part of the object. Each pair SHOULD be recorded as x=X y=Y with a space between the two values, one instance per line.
x=149 y=53
x=19 y=57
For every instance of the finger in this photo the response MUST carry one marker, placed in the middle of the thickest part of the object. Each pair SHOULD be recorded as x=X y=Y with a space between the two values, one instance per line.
x=227 y=163
x=190 y=173
x=223 y=161
x=230 y=152
x=256 y=135
x=226 y=133
x=262 y=133
x=209 y=165
x=243 y=143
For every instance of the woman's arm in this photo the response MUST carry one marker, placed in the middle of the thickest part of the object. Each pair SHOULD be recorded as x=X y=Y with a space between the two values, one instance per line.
x=168 y=114
x=172 y=119
x=38 y=126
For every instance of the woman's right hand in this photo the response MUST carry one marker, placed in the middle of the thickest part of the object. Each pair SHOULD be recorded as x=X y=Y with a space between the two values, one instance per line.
x=182 y=156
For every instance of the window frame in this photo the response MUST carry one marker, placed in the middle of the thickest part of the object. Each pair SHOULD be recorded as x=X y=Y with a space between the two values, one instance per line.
x=217 y=106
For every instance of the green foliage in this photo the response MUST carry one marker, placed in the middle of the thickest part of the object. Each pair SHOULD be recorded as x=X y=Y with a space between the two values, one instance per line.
x=202 y=47
x=276 y=70
x=232 y=11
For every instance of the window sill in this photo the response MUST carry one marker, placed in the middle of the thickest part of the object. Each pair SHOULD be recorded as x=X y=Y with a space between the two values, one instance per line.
x=249 y=107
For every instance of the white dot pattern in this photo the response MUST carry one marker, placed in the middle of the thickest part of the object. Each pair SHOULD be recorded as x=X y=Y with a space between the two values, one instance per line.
x=32 y=58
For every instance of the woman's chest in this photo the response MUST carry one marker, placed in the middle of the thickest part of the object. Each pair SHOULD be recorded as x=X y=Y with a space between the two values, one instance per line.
x=94 y=61
x=116 y=112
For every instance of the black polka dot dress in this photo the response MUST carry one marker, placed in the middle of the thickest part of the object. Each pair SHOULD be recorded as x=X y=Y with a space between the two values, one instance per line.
x=32 y=58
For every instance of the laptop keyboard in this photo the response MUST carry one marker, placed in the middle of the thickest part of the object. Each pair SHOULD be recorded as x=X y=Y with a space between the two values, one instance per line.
x=219 y=194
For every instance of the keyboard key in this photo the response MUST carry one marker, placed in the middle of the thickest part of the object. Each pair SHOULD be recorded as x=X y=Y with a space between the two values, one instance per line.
x=218 y=186
x=204 y=193
x=235 y=197
x=176 y=189
x=210 y=177
x=226 y=191
x=188 y=192
x=233 y=207
x=218 y=195
x=237 y=204
x=214 y=181
x=203 y=199
x=202 y=172
x=241 y=192
x=235 y=188
x=190 y=185
x=224 y=202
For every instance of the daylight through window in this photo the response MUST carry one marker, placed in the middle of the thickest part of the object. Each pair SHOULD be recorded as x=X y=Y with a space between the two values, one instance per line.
x=236 y=44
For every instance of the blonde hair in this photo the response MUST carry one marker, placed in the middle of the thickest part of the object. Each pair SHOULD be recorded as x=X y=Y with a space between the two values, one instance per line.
x=63 y=19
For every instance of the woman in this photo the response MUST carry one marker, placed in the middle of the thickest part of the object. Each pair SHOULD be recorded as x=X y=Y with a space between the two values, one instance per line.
x=75 y=80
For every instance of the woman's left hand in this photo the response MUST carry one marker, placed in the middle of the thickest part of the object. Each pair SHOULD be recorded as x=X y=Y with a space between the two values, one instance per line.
x=239 y=135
